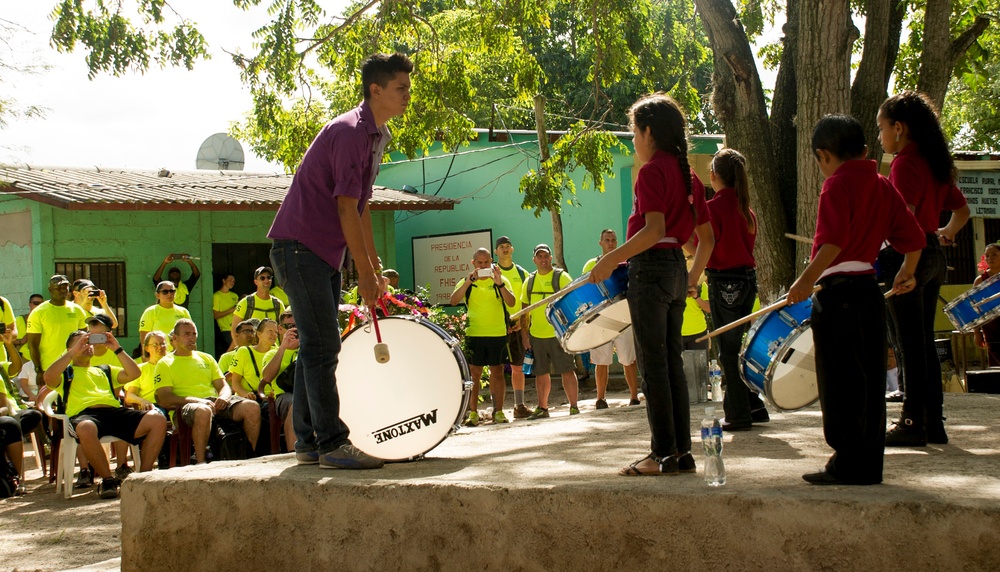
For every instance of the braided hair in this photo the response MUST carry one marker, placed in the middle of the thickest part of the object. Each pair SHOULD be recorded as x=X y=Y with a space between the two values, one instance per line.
x=665 y=120
x=731 y=167
x=917 y=111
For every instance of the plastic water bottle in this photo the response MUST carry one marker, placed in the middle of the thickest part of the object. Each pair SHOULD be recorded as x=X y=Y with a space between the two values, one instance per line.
x=715 y=377
x=529 y=362
x=711 y=439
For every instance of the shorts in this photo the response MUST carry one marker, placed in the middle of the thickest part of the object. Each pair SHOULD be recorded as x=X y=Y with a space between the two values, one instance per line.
x=487 y=350
x=120 y=422
x=515 y=346
x=689 y=343
x=624 y=345
x=550 y=357
x=283 y=403
x=187 y=412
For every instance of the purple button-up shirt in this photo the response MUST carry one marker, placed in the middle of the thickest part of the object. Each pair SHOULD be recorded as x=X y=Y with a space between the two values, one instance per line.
x=341 y=161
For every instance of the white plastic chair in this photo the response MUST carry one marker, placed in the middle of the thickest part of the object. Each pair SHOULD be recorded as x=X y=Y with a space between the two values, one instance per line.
x=67 y=451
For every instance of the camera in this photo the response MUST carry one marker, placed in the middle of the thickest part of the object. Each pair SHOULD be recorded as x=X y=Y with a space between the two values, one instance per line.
x=95 y=293
x=97 y=339
x=485 y=272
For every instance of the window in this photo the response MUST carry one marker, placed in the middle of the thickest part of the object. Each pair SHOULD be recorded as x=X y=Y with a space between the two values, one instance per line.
x=108 y=276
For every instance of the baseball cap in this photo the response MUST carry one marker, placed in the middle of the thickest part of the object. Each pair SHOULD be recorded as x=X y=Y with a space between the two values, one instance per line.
x=544 y=247
x=502 y=240
x=58 y=279
x=100 y=319
x=261 y=270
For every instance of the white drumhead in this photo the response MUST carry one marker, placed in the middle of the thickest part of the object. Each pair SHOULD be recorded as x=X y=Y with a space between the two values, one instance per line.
x=791 y=380
x=405 y=407
x=598 y=328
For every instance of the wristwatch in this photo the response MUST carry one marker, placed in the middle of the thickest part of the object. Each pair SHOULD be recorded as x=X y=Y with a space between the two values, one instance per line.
x=119 y=350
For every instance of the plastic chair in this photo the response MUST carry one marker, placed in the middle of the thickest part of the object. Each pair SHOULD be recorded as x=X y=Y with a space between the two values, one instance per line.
x=67 y=451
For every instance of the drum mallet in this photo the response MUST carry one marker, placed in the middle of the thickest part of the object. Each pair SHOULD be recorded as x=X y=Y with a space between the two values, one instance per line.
x=381 y=349
x=551 y=298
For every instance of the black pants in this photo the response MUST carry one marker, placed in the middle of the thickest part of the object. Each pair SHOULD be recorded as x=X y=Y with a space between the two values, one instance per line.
x=848 y=327
x=731 y=294
x=913 y=317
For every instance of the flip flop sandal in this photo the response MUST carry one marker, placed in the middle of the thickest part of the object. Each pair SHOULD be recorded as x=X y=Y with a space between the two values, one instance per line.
x=634 y=471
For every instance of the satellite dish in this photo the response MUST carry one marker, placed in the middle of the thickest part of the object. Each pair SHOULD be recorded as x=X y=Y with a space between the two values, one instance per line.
x=220 y=152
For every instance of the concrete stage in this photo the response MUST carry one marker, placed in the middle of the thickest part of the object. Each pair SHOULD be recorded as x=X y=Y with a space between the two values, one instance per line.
x=543 y=495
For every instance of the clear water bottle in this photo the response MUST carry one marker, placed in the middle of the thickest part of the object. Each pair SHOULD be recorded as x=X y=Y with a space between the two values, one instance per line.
x=529 y=362
x=711 y=439
x=715 y=378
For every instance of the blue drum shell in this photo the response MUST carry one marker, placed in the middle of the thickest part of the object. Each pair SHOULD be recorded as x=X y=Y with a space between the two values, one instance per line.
x=765 y=338
x=572 y=306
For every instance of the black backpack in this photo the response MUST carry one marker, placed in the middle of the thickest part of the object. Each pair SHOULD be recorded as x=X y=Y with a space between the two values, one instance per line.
x=286 y=379
x=8 y=479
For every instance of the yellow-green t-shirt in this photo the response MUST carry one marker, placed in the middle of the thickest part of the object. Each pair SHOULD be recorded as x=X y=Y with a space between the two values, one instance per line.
x=90 y=388
x=55 y=324
x=109 y=358
x=694 y=316
x=261 y=309
x=156 y=317
x=226 y=360
x=145 y=382
x=279 y=293
x=485 y=305
x=182 y=293
x=286 y=360
x=222 y=301
x=8 y=319
x=542 y=289
x=189 y=376
x=513 y=275
x=244 y=366
x=22 y=331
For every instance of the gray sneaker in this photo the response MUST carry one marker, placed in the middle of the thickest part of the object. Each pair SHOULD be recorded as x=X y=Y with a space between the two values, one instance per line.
x=307 y=457
x=348 y=456
x=84 y=480
x=108 y=489
x=122 y=472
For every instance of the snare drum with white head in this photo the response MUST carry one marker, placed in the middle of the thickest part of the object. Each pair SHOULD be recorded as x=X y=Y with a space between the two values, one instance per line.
x=778 y=359
x=401 y=409
x=591 y=315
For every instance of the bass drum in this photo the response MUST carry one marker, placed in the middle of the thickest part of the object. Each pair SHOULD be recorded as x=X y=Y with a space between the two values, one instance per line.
x=401 y=409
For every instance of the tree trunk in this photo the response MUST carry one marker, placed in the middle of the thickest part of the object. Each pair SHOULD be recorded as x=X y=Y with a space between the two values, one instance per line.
x=543 y=149
x=869 y=89
x=940 y=53
x=738 y=100
x=826 y=35
x=783 y=131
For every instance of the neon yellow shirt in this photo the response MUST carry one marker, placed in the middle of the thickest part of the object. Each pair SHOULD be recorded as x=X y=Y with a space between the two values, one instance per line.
x=540 y=327
x=22 y=331
x=286 y=360
x=189 y=376
x=243 y=365
x=516 y=285
x=694 y=316
x=226 y=360
x=8 y=319
x=109 y=358
x=182 y=293
x=55 y=324
x=485 y=308
x=222 y=301
x=156 y=317
x=279 y=293
x=90 y=389
x=145 y=382
x=261 y=309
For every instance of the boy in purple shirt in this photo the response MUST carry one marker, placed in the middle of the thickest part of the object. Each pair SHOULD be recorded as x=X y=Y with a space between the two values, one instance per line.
x=324 y=214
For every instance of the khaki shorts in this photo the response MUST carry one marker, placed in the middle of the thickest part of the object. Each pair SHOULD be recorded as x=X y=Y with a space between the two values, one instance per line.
x=188 y=411
x=624 y=345
x=550 y=357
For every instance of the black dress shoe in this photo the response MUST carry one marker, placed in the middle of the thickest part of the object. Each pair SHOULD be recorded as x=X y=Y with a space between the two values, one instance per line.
x=742 y=426
x=822 y=478
x=759 y=415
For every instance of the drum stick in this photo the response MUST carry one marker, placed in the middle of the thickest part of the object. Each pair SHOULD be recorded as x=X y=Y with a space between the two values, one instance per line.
x=799 y=238
x=749 y=318
x=555 y=296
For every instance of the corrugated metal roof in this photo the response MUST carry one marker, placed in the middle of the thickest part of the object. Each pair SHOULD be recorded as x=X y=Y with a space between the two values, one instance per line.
x=126 y=189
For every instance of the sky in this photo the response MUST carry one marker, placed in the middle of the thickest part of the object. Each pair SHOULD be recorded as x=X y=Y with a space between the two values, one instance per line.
x=152 y=121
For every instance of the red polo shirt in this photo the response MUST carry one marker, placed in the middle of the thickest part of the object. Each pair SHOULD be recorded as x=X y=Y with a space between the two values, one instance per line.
x=858 y=210
x=733 y=240
x=659 y=187
x=911 y=175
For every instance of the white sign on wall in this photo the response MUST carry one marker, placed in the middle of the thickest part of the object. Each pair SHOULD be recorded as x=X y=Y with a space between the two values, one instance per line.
x=982 y=192
x=440 y=261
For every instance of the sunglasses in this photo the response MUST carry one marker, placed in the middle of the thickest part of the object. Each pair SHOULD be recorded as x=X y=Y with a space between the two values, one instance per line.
x=167 y=292
x=288 y=326
x=245 y=331
x=264 y=277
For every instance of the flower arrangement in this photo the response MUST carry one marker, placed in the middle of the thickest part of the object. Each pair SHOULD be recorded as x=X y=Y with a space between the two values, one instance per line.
x=407 y=303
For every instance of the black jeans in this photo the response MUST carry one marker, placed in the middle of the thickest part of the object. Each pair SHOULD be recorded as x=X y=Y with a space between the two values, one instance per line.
x=657 y=286
x=913 y=317
x=731 y=294
x=848 y=327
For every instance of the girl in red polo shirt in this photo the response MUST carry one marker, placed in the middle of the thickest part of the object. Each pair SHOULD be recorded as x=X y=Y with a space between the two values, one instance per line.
x=666 y=213
x=858 y=210
x=924 y=173
x=732 y=280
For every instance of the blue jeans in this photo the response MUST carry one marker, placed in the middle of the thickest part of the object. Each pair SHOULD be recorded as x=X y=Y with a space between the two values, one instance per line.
x=657 y=286
x=313 y=289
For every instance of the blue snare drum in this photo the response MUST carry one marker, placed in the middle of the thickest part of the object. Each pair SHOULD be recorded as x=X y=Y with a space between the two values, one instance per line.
x=591 y=315
x=977 y=306
x=777 y=358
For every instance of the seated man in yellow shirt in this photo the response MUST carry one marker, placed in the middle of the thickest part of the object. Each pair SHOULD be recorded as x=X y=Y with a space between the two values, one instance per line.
x=191 y=380
x=278 y=374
